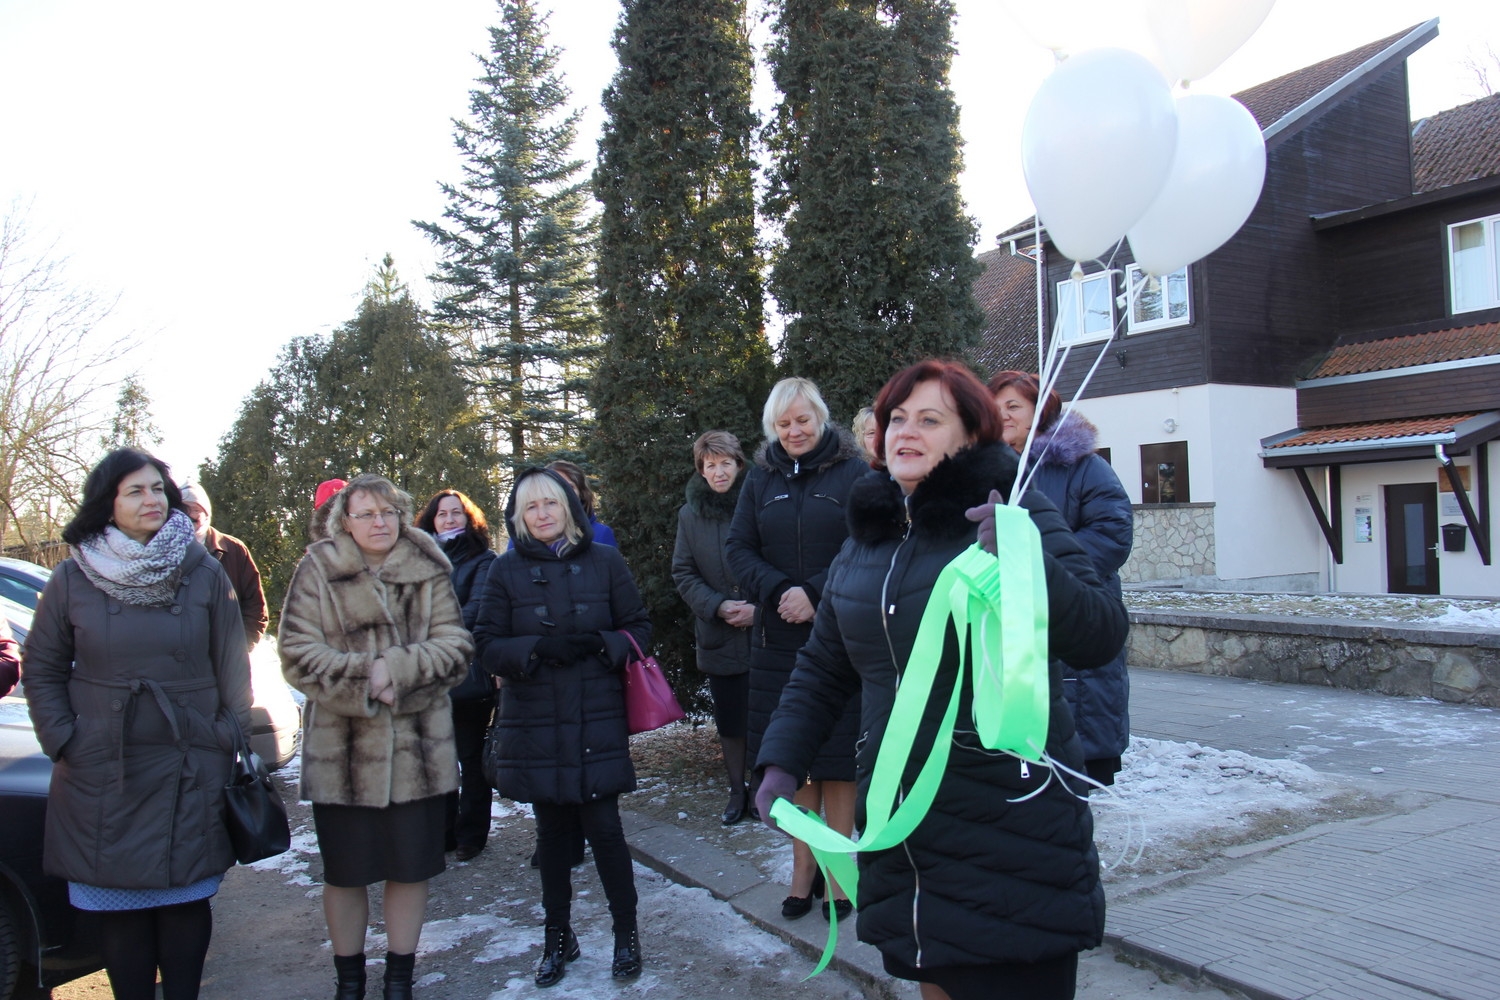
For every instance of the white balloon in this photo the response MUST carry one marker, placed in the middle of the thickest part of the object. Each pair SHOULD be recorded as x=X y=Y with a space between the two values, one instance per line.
x=1096 y=146
x=1211 y=190
x=1195 y=36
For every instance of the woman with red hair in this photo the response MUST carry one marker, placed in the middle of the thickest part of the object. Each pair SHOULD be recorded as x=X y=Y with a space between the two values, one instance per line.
x=996 y=889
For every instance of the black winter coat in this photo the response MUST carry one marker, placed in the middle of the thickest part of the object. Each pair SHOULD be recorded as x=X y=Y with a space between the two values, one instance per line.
x=1093 y=502
x=982 y=879
x=700 y=568
x=788 y=525
x=471 y=567
x=560 y=727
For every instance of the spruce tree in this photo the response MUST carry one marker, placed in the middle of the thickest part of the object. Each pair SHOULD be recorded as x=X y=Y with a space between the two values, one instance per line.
x=680 y=279
x=874 y=267
x=380 y=395
x=517 y=245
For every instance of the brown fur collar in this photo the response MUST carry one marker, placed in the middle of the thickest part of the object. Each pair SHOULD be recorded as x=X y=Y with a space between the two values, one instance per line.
x=415 y=558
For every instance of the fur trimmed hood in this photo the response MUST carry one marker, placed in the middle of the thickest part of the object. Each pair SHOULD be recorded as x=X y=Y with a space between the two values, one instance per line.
x=878 y=511
x=711 y=506
x=1069 y=441
x=833 y=447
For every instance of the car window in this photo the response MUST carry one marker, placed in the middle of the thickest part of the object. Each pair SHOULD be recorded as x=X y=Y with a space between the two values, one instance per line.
x=19 y=591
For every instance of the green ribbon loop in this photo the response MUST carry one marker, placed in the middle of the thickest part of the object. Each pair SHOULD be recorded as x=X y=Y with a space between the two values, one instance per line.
x=998 y=607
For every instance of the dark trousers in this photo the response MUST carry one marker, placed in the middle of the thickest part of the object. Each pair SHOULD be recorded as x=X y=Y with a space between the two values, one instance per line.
x=600 y=822
x=469 y=807
x=174 y=939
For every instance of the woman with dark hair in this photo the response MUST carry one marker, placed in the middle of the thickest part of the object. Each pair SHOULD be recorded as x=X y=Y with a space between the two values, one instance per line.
x=372 y=633
x=996 y=889
x=137 y=678
x=722 y=616
x=553 y=623
x=461 y=529
x=788 y=525
x=1075 y=477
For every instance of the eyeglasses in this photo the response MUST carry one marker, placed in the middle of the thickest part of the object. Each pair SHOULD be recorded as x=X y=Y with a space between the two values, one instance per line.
x=389 y=514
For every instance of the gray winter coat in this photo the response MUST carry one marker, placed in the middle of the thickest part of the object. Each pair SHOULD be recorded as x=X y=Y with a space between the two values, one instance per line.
x=136 y=706
x=701 y=571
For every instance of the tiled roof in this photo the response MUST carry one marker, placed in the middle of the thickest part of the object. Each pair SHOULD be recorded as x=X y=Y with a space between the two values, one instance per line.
x=1375 y=430
x=1417 y=349
x=1269 y=101
x=1006 y=293
x=1457 y=145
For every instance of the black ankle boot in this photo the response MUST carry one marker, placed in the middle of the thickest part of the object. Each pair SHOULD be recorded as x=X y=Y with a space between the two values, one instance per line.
x=627 y=963
x=350 y=970
x=559 y=947
x=398 y=971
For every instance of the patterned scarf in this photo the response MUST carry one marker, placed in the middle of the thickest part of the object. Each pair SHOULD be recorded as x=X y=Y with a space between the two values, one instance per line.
x=133 y=573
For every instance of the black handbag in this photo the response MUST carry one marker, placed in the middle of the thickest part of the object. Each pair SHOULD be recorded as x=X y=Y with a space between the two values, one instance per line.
x=253 y=810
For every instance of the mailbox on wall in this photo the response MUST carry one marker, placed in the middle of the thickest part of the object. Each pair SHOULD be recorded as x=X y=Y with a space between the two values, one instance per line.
x=1453 y=537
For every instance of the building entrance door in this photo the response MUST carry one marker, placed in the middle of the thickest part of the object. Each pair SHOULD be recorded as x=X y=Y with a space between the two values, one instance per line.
x=1411 y=538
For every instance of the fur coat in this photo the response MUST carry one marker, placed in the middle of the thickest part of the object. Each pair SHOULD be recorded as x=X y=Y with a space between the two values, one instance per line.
x=338 y=619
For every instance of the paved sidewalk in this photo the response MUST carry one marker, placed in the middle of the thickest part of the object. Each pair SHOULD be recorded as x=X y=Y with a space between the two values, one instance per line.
x=1399 y=906
x=1394 y=907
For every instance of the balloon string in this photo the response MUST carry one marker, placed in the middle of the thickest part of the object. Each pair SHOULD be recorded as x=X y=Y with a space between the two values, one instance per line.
x=980 y=595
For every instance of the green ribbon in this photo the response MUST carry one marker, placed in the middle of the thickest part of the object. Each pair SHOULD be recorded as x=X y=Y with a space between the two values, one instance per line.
x=997 y=604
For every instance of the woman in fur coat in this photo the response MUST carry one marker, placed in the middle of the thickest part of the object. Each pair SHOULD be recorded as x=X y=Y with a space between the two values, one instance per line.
x=722 y=616
x=1071 y=474
x=553 y=626
x=371 y=632
x=996 y=890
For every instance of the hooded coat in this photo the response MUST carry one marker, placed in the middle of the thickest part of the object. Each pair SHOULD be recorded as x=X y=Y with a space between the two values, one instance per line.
x=984 y=878
x=136 y=705
x=559 y=735
x=700 y=568
x=1093 y=502
x=338 y=619
x=788 y=525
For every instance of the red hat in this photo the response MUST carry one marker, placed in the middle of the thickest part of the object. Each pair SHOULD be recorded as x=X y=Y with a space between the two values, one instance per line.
x=326 y=490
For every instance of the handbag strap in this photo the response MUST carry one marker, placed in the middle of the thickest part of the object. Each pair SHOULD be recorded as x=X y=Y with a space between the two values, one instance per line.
x=633 y=645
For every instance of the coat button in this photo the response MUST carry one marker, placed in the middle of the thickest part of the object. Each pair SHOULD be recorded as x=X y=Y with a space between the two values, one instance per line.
x=115 y=705
x=181 y=657
x=176 y=609
x=183 y=745
x=182 y=700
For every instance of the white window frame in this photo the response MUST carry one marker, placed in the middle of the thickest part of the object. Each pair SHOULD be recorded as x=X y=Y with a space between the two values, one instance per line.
x=1073 y=292
x=1487 y=293
x=1133 y=275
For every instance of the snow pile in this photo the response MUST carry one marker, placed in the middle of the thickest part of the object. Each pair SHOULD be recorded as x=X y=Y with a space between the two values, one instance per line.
x=1442 y=612
x=1173 y=799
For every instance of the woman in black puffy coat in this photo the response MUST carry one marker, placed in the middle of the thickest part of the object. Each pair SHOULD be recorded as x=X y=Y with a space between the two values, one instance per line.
x=997 y=889
x=1071 y=474
x=788 y=525
x=463 y=532
x=551 y=626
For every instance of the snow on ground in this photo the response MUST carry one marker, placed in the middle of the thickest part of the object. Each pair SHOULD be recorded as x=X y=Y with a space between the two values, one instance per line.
x=1174 y=799
x=1443 y=612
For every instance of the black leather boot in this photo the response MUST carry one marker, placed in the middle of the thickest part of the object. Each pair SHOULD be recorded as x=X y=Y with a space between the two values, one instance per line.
x=559 y=947
x=627 y=963
x=398 y=972
x=350 y=984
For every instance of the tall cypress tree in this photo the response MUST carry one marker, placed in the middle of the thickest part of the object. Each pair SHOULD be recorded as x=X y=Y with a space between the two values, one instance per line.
x=518 y=245
x=679 y=275
x=875 y=264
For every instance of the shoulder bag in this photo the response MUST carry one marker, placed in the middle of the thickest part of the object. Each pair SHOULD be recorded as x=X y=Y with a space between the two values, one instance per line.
x=649 y=703
x=253 y=810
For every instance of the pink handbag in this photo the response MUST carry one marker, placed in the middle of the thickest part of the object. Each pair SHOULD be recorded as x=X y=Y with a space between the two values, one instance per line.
x=649 y=703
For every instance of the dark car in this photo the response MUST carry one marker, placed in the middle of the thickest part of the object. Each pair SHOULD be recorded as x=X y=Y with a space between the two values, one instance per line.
x=41 y=936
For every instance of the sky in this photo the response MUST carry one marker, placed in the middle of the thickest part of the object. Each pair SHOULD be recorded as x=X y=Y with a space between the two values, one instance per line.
x=231 y=175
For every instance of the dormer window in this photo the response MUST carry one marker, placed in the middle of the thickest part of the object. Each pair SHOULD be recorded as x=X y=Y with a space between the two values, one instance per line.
x=1086 y=308
x=1474 y=265
x=1161 y=302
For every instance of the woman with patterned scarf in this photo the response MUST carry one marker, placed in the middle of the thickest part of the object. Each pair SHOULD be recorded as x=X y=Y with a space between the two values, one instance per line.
x=137 y=677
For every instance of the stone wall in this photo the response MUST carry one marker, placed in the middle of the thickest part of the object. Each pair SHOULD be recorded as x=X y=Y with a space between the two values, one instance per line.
x=1413 y=660
x=1173 y=541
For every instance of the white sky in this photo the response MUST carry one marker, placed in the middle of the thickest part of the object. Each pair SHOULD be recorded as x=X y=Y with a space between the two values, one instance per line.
x=234 y=173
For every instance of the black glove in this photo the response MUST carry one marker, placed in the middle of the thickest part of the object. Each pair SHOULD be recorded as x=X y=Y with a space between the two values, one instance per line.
x=984 y=514
x=775 y=783
x=554 y=650
x=585 y=645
